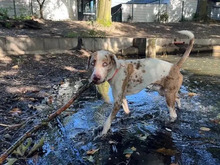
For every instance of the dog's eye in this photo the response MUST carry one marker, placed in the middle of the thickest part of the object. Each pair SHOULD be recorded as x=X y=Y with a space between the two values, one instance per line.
x=104 y=64
x=93 y=63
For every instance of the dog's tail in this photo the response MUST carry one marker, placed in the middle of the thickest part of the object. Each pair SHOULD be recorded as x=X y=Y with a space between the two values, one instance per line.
x=189 y=48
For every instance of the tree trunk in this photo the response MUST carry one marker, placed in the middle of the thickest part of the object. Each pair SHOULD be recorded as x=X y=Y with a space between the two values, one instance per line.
x=41 y=5
x=203 y=10
x=41 y=12
x=104 y=12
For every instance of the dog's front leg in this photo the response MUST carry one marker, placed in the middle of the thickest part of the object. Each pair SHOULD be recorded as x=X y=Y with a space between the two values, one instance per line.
x=125 y=106
x=112 y=115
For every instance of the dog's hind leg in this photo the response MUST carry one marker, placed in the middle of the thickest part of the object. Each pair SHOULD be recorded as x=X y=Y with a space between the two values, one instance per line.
x=180 y=81
x=178 y=101
x=125 y=106
x=170 y=99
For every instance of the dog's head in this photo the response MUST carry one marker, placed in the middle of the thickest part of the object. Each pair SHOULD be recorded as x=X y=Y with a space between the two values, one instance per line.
x=103 y=63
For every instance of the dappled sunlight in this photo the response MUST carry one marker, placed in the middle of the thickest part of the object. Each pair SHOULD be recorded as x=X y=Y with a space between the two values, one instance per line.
x=21 y=89
x=38 y=57
x=3 y=58
x=215 y=36
x=72 y=69
x=18 y=45
x=8 y=73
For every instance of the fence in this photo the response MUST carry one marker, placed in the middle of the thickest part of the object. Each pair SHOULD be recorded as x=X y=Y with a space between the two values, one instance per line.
x=175 y=10
x=17 y=8
x=52 y=10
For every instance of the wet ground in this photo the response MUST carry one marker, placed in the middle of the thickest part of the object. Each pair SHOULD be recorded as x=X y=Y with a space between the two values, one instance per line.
x=145 y=137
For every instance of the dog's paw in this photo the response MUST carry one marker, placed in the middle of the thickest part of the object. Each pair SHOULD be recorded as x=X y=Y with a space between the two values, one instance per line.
x=173 y=119
x=98 y=133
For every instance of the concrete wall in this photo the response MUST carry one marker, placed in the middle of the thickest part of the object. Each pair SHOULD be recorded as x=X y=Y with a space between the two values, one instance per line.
x=148 y=12
x=112 y=44
x=26 y=45
x=53 y=9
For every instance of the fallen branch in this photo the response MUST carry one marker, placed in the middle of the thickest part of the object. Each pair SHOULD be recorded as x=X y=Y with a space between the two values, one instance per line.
x=43 y=123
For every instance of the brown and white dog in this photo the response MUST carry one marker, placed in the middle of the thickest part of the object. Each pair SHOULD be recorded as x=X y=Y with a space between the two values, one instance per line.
x=128 y=77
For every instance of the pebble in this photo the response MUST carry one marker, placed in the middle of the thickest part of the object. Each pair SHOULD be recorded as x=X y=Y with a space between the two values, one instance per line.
x=7 y=136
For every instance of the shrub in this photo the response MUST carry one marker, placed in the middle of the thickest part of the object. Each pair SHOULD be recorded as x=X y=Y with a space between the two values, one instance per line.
x=164 y=17
x=3 y=14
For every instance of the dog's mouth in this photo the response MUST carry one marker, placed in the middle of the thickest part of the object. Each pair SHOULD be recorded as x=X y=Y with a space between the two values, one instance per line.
x=98 y=82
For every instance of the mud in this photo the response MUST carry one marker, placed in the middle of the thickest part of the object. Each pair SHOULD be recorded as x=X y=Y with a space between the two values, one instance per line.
x=145 y=136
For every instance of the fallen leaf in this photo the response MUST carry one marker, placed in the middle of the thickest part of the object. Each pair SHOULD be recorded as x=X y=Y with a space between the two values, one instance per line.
x=52 y=147
x=216 y=121
x=142 y=137
x=89 y=158
x=128 y=156
x=166 y=151
x=11 y=161
x=133 y=148
x=92 y=152
x=23 y=148
x=128 y=151
x=190 y=94
x=50 y=100
x=36 y=146
x=15 y=67
x=112 y=142
x=32 y=99
x=15 y=111
x=204 y=129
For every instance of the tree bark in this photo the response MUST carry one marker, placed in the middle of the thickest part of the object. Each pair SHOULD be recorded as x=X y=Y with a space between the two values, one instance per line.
x=41 y=5
x=41 y=12
x=104 y=12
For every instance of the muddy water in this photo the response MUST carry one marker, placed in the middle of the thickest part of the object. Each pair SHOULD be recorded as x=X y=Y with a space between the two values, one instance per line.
x=145 y=137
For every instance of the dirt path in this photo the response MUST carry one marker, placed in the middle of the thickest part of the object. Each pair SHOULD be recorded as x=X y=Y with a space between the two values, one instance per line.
x=75 y=28
x=26 y=81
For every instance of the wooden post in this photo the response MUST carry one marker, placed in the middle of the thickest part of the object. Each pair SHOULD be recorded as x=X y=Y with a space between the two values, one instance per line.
x=151 y=48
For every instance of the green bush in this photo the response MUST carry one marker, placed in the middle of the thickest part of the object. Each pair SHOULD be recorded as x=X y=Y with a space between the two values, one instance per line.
x=3 y=13
x=164 y=17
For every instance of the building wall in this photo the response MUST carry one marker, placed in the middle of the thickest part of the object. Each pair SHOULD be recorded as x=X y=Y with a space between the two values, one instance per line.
x=175 y=10
x=53 y=9
x=215 y=11
x=148 y=12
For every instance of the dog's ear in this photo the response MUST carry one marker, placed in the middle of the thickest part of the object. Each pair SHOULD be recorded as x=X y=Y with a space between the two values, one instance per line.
x=114 y=60
x=88 y=63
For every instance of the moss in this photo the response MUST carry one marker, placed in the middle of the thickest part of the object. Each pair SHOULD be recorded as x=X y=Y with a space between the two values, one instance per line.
x=105 y=23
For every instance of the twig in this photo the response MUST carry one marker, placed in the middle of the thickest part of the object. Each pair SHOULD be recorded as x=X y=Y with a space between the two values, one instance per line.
x=12 y=125
x=42 y=124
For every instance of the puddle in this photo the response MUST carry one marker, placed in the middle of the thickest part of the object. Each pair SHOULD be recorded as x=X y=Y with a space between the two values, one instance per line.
x=145 y=136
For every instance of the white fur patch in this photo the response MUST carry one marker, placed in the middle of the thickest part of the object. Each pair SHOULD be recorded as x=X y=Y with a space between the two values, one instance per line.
x=107 y=125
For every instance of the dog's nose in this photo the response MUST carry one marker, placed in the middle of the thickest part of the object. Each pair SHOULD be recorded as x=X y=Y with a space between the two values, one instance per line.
x=96 y=78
